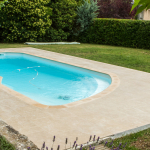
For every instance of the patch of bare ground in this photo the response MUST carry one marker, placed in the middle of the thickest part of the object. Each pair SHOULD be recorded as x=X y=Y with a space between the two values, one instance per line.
x=143 y=142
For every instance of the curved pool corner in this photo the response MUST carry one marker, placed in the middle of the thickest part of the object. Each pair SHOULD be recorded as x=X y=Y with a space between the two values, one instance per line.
x=114 y=84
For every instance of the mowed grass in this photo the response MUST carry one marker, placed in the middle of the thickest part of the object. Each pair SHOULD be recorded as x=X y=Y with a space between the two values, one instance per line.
x=136 y=141
x=138 y=59
x=5 y=145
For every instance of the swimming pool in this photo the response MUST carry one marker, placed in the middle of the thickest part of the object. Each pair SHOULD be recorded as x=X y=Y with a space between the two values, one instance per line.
x=49 y=82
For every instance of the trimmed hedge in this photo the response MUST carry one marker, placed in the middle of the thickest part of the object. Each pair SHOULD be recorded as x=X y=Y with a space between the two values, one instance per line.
x=118 y=32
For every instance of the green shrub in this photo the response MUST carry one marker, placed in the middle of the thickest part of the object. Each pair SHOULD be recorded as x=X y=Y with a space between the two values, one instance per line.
x=79 y=2
x=118 y=32
x=2 y=3
x=63 y=19
x=85 y=15
x=25 y=20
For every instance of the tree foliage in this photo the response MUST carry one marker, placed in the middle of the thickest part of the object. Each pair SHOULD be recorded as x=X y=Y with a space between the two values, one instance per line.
x=25 y=20
x=85 y=15
x=143 y=4
x=2 y=3
x=79 y=2
x=115 y=9
x=63 y=19
x=44 y=20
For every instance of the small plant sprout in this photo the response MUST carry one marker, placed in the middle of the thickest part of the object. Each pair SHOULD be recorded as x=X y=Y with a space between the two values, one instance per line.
x=76 y=146
x=90 y=138
x=98 y=139
x=117 y=148
x=54 y=138
x=120 y=145
x=53 y=141
x=111 y=143
x=76 y=139
x=105 y=143
x=66 y=142
x=81 y=147
x=43 y=146
x=58 y=147
x=94 y=137
x=124 y=145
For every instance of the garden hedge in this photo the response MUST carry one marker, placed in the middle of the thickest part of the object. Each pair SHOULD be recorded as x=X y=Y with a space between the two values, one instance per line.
x=118 y=32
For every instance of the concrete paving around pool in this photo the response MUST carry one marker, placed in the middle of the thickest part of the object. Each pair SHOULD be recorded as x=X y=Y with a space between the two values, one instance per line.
x=125 y=106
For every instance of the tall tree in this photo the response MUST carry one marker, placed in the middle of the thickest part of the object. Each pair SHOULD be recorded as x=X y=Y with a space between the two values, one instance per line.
x=63 y=19
x=105 y=10
x=115 y=9
x=85 y=15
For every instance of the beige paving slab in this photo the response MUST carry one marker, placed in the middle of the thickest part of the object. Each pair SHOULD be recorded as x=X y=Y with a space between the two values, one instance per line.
x=122 y=106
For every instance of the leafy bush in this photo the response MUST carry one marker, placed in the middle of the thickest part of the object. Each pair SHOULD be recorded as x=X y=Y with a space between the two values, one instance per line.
x=116 y=9
x=80 y=2
x=119 y=32
x=25 y=20
x=85 y=15
x=63 y=19
x=2 y=3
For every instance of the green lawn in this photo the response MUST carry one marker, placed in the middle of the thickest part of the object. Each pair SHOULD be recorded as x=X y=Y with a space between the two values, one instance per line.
x=5 y=145
x=138 y=59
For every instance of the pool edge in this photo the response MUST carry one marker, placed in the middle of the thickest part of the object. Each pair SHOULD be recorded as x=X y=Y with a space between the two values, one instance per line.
x=114 y=84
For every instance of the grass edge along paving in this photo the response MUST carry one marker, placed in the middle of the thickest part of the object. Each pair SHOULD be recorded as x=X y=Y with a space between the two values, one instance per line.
x=134 y=141
x=5 y=145
x=138 y=59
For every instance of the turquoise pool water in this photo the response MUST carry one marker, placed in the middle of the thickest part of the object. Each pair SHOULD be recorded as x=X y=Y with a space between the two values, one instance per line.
x=49 y=82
